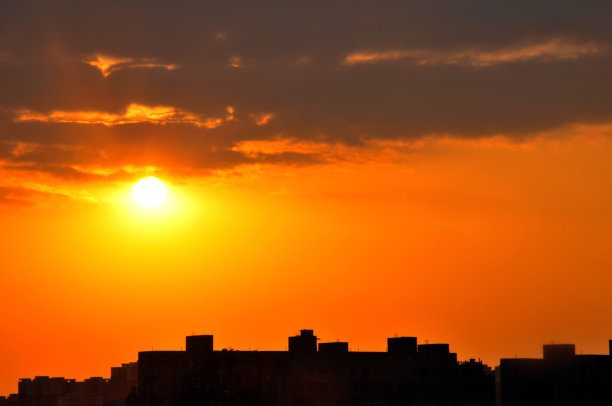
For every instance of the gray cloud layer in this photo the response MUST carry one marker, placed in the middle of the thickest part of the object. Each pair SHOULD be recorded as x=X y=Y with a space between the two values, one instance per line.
x=289 y=60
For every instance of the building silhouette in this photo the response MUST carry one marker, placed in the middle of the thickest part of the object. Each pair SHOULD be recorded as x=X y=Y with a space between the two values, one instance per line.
x=310 y=375
x=329 y=374
x=560 y=378
x=59 y=391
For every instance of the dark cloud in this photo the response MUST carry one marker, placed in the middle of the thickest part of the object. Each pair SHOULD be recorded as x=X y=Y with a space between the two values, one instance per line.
x=470 y=69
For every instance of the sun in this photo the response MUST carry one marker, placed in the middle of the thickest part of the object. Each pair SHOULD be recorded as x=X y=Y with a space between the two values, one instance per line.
x=150 y=192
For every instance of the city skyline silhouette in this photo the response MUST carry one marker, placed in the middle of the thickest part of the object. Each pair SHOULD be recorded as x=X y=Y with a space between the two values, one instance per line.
x=313 y=372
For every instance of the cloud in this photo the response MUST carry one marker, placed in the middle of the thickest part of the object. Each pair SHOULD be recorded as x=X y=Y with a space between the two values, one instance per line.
x=135 y=113
x=262 y=118
x=277 y=146
x=236 y=62
x=14 y=197
x=108 y=64
x=71 y=172
x=323 y=152
x=26 y=197
x=551 y=50
x=370 y=82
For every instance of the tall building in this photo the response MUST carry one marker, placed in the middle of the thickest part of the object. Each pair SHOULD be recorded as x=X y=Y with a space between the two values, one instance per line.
x=305 y=343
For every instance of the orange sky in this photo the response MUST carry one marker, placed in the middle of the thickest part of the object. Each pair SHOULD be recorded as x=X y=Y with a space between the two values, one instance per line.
x=399 y=169
x=493 y=247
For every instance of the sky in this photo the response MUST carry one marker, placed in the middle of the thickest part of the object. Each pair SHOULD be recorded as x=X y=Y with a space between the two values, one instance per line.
x=437 y=169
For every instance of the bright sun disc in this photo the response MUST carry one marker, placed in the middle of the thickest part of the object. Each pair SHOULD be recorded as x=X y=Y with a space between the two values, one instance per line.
x=150 y=192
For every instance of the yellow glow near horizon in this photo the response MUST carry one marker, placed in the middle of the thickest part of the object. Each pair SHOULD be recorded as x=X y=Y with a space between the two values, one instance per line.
x=150 y=192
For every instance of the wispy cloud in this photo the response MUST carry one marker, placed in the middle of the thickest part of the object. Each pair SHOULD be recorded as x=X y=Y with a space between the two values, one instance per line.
x=259 y=150
x=551 y=50
x=109 y=64
x=262 y=118
x=135 y=113
x=236 y=62
x=29 y=195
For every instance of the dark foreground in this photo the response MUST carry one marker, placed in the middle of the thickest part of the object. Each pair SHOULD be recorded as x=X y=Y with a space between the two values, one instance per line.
x=326 y=374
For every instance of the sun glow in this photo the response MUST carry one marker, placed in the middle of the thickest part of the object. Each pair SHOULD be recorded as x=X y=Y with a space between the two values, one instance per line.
x=150 y=192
